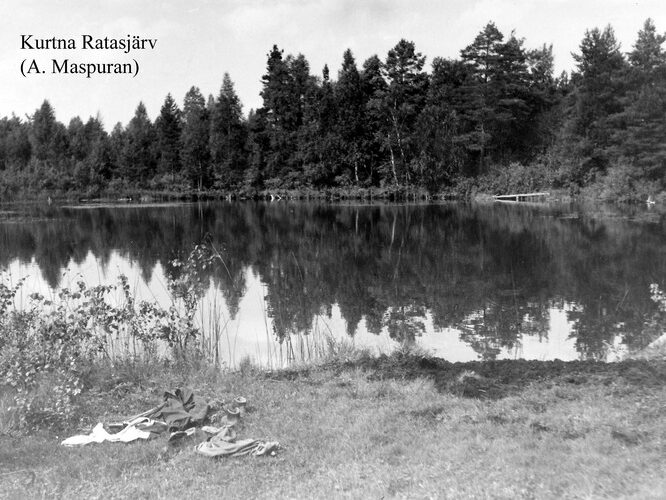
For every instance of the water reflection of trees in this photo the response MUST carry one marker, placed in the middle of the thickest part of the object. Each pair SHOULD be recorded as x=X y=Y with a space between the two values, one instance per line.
x=492 y=272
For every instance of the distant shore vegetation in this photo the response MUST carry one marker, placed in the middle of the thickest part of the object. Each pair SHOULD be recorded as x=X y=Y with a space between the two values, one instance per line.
x=494 y=120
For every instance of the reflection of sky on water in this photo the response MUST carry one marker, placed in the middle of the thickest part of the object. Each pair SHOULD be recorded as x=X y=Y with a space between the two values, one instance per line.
x=462 y=281
x=250 y=333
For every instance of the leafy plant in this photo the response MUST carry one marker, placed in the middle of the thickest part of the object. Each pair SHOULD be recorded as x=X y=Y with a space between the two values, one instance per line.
x=49 y=348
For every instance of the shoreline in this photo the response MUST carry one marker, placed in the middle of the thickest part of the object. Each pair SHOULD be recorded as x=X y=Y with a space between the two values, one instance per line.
x=366 y=195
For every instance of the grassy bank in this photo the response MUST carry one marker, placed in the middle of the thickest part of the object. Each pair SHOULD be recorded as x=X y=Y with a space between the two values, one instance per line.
x=401 y=426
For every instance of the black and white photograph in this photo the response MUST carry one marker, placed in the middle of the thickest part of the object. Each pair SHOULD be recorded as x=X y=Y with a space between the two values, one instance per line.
x=314 y=249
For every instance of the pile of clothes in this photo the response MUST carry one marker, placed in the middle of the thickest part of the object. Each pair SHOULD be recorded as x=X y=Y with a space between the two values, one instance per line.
x=180 y=415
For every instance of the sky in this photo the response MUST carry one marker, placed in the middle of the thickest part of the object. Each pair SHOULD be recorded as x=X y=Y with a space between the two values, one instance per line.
x=199 y=40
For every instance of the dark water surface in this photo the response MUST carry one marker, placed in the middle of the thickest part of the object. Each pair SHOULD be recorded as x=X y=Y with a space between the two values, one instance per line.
x=463 y=281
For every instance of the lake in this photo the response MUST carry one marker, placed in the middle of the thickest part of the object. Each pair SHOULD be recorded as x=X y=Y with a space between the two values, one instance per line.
x=462 y=281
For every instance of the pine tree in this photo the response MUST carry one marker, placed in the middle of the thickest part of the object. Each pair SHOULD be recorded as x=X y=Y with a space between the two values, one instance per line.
x=600 y=64
x=478 y=107
x=648 y=54
x=402 y=103
x=598 y=94
x=513 y=107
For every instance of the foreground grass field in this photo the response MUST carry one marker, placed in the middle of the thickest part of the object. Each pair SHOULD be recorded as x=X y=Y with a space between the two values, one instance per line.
x=394 y=427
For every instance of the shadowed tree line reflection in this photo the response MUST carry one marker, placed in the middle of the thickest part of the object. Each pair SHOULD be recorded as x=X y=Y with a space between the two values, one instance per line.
x=492 y=272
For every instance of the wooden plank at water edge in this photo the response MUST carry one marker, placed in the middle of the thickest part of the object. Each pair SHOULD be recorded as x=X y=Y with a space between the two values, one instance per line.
x=519 y=196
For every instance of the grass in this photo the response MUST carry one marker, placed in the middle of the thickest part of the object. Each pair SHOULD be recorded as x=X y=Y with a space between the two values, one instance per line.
x=400 y=426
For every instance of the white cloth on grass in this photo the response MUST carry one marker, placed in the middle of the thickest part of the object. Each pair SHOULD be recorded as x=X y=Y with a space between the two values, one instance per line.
x=99 y=434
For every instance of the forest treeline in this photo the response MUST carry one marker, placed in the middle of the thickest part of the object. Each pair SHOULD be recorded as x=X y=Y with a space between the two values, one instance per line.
x=494 y=119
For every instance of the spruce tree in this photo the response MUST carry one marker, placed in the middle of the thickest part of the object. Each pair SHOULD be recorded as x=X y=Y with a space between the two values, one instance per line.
x=168 y=129
x=138 y=157
x=194 y=139
x=227 y=137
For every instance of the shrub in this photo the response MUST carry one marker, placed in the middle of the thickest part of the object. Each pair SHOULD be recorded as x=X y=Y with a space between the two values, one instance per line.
x=44 y=359
x=48 y=349
x=623 y=184
x=516 y=178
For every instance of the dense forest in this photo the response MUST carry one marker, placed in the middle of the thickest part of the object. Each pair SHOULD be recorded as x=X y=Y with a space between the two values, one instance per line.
x=492 y=120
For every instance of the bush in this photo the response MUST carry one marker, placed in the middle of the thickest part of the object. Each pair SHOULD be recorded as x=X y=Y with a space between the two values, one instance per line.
x=516 y=178
x=49 y=349
x=622 y=184
x=44 y=359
